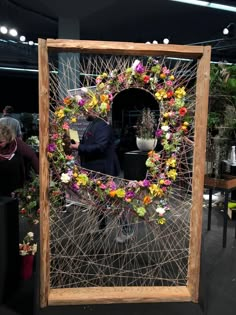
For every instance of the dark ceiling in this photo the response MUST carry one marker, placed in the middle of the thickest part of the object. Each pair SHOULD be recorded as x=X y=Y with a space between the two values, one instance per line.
x=116 y=20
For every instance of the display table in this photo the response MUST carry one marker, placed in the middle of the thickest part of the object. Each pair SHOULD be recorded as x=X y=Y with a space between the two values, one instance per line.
x=134 y=165
x=226 y=184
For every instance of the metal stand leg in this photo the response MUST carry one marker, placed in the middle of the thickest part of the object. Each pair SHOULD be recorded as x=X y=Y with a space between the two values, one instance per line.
x=225 y=219
x=209 y=210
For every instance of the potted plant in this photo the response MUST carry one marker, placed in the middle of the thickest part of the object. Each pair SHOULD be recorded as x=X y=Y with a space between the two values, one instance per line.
x=27 y=251
x=146 y=125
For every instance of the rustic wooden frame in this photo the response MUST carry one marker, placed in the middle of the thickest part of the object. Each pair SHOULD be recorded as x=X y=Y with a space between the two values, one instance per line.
x=125 y=294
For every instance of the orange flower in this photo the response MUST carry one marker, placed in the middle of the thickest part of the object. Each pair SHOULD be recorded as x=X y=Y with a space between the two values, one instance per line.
x=147 y=200
x=112 y=193
x=183 y=111
x=67 y=101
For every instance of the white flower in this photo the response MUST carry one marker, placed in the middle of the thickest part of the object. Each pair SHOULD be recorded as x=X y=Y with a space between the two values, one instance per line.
x=134 y=65
x=168 y=135
x=78 y=97
x=65 y=178
x=30 y=234
x=34 y=249
x=165 y=128
x=84 y=90
x=160 y=210
x=23 y=253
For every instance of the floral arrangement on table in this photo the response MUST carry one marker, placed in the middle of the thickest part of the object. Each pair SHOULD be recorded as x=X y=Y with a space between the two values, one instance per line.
x=28 y=247
x=146 y=124
x=28 y=197
x=147 y=198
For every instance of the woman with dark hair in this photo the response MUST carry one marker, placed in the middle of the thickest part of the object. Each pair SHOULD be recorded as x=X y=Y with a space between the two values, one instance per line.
x=16 y=160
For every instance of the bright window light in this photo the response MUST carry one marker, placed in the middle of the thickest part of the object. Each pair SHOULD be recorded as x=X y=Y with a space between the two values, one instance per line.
x=208 y=4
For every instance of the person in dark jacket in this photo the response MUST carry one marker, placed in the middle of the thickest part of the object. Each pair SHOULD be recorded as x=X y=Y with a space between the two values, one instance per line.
x=97 y=151
x=16 y=158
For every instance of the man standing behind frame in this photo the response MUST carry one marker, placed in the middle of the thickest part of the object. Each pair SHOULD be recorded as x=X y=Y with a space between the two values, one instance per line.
x=97 y=151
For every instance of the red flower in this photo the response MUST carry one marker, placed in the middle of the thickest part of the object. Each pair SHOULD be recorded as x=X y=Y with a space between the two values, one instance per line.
x=170 y=94
x=146 y=78
x=183 y=111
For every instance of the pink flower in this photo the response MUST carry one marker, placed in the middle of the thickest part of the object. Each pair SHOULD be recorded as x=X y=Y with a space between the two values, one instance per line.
x=65 y=126
x=169 y=83
x=165 y=70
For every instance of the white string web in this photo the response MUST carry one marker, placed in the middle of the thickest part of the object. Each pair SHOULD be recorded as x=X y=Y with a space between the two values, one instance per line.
x=84 y=256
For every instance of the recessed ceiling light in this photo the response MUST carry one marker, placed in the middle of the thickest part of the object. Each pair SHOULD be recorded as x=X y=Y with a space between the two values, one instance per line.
x=13 y=32
x=22 y=38
x=3 y=30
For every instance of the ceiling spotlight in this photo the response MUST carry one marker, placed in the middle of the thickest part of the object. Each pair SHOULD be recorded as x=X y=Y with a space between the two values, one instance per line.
x=225 y=31
x=147 y=43
x=22 y=38
x=155 y=42
x=166 y=41
x=3 y=30
x=31 y=43
x=229 y=30
x=13 y=32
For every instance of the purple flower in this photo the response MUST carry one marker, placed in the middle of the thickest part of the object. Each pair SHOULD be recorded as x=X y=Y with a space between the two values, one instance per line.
x=81 y=102
x=159 y=133
x=146 y=183
x=139 y=68
x=129 y=195
x=52 y=147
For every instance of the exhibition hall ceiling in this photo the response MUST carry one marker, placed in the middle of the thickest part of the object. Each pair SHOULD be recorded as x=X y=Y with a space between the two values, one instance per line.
x=121 y=20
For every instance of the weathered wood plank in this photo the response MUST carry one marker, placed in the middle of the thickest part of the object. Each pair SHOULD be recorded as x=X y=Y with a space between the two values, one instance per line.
x=44 y=170
x=201 y=113
x=108 y=295
x=125 y=48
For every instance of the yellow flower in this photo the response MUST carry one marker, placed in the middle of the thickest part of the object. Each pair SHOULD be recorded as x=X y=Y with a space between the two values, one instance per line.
x=82 y=179
x=73 y=119
x=161 y=221
x=171 y=162
x=186 y=123
x=161 y=181
x=171 y=77
x=160 y=94
x=180 y=92
x=156 y=190
x=75 y=174
x=93 y=102
x=172 y=174
x=60 y=113
x=120 y=192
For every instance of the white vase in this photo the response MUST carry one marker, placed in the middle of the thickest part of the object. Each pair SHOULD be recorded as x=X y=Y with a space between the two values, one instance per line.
x=146 y=144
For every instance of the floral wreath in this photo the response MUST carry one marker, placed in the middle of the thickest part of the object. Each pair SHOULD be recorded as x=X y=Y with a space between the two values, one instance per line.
x=146 y=198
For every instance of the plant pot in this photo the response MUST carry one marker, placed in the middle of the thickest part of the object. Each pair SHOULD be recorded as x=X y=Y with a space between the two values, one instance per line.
x=146 y=144
x=27 y=266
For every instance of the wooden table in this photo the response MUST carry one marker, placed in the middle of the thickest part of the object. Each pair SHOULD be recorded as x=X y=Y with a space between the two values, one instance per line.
x=226 y=184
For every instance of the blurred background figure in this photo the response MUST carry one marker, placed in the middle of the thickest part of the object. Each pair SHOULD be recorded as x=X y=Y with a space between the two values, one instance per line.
x=16 y=161
x=10 y=121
